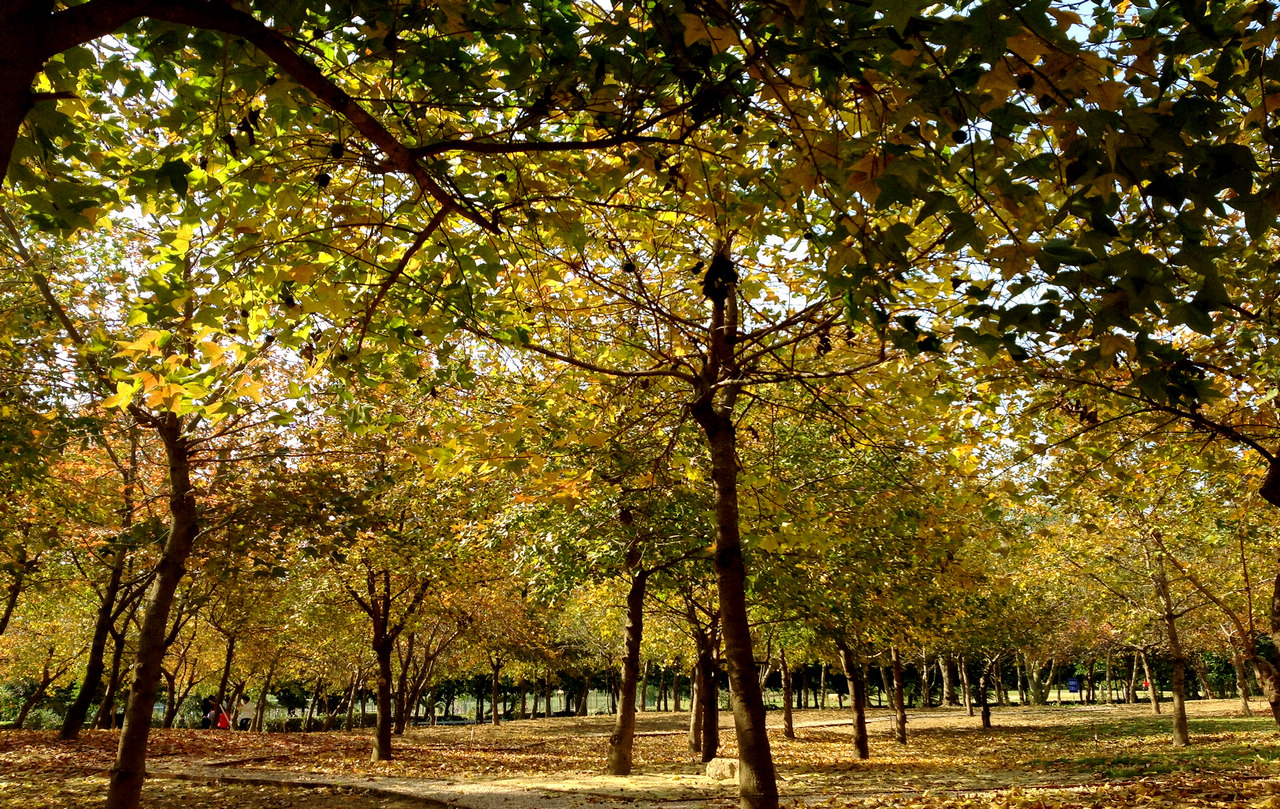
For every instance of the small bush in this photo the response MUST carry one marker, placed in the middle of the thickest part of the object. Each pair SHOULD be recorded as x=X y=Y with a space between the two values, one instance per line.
x=43 y=719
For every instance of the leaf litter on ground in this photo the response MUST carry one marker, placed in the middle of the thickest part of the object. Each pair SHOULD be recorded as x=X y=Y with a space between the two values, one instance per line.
x=1035 y=758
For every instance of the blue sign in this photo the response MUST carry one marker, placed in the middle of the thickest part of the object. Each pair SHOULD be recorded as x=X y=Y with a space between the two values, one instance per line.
x=1073 y=685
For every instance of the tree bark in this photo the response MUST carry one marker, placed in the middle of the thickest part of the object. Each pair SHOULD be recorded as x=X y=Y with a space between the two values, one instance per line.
x=788 y=720
x=624 y=730
x=713 y=410
x=899 y=707
x=1151 y=684
x=948 y=683
x=382 y=649
x=95 y=665
x=1242 y=682
x=497 y=684
x=695 y=710
x=642 y=703
x=964 y=684
x=857 y=701
x=129 y=771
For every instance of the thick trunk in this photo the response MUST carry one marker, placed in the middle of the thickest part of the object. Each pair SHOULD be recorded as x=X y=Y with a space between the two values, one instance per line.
x=857 y=701
x=788 y=720
x=125 y=789
x=95 y=666
x=624 y=729
x=382 y=649
x=899 y=708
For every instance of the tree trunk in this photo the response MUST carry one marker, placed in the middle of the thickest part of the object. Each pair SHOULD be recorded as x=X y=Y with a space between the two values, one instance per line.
x=401 y=697
x=708 y=702
x=857 y=701
x=899 y=708
x=382 y=648
x=129 y=771
x=1131 y=690
x=1151 y=684
x=948 y=684
x=497 y=684
x=788 y=720
x=226 y=672
x=624 y=729
x=91 y=684
x=822 y=688
x=675 y=690
x=1181 y=733
x=695 y=711
x=983 y=702
x=964 y=683
x=550 y=710
x=642 y=703
x=713 y=411
x=105 y=718
x=1242 y=682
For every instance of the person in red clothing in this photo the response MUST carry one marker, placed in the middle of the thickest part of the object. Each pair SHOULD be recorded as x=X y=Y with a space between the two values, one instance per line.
x=223 y=721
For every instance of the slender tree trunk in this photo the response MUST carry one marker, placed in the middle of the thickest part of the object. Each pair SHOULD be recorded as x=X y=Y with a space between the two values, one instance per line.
x=105 y=718
x=713 y=411
x=708 y=702
x=788 y=721
x=983 y=702
x=964 y=683
x=624 y=729
x=899 y=708
x=1131 y=690
x=497 y=711
x=857 y=701
x=674 y=705
x=1152 y=693
x=642 y=704
x=550 y=709
x=14 y=589
x=91 y=684
x=948 y=684
x=1181 y=731
x=129 y=771
x=822 y=687
x=226 y=672
x=1242 y=682
x=695 y=710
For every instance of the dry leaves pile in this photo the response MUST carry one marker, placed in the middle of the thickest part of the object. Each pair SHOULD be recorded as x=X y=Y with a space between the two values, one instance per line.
x=1033 y=759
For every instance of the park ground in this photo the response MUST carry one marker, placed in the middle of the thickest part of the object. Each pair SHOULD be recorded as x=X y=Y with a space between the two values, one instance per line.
x=1035 y=758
